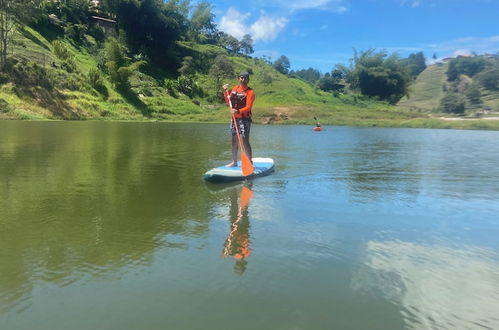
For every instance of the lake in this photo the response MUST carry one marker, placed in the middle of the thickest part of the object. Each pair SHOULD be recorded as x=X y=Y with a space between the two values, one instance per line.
x=109 y=225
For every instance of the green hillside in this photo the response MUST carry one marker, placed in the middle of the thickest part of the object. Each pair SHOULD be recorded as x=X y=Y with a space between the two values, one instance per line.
x=44 y=89
x=73 y=71
x=427 y=90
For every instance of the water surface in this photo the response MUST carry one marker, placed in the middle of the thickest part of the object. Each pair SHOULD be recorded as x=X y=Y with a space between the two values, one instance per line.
x=108 y=225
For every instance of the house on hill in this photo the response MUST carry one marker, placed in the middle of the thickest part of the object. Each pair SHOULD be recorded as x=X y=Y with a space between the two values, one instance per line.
x=107 y=25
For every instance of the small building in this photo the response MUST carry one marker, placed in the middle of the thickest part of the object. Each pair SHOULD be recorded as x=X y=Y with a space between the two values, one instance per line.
x=106 y=24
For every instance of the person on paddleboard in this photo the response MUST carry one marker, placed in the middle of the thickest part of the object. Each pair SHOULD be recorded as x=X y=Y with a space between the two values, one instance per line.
x=240 y=98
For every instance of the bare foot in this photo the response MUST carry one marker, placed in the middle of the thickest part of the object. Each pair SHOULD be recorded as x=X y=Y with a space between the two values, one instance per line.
x=231 y=164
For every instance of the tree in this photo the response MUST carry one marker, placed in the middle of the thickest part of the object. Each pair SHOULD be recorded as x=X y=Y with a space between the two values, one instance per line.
x=489 y=78
x=111 y=6
x=230 y=43
x=452 y=103
x=282 y=64
x=117 y=64
x=221 y=69
x=246 y=44
x=331 y=83
x=469 y=66
x=311 y=75
x=187 y=67
x=266 y=79
x=473 y=94
x=12 y=11
x=376 y=74
x=338 y=73
x=326 y=83
x=415 y=63
x=202 y=22
x=6 y=29
x=153 y=27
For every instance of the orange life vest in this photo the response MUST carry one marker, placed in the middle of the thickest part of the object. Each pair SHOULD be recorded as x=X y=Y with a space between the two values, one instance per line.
x=242 y=99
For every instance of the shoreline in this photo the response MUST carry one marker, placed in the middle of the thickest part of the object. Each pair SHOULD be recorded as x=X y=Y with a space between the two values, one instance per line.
x=487 y=123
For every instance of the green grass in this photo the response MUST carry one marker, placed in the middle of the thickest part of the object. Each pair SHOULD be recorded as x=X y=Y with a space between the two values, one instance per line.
x=427 y=90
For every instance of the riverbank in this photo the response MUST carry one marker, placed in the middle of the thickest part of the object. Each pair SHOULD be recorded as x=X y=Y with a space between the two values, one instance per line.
x=291 y=116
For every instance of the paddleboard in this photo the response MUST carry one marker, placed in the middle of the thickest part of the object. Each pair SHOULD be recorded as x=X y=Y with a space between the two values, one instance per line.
x=262 y=166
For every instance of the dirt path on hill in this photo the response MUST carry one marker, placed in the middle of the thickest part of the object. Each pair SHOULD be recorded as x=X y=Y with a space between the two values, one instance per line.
x=464 y=118
x=279 y=114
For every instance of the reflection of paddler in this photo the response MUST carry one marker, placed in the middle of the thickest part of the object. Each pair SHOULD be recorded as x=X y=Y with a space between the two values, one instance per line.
x=237 y=242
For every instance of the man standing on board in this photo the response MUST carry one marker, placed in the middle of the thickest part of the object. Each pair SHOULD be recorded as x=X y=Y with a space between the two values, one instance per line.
x=241 y=98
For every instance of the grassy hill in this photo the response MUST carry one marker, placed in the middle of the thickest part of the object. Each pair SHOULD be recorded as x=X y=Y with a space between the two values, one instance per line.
x=43 y=86
x=428 y=90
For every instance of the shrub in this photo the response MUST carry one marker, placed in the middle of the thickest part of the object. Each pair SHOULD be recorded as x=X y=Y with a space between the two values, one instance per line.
x=60 y=50
x=473 y=94
x=69 y=65
x=4 y=78
x=76 y=31
x=95 y=80
x=5 y=106
x=452 y=103
x=170 y=87
x=489 y=79
x=186 y=85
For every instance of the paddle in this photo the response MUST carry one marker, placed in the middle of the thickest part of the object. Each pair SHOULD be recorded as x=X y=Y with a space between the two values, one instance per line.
x=237 y=243
x=246 y=165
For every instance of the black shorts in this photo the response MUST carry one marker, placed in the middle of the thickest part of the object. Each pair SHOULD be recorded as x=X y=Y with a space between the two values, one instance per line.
x=244 y=126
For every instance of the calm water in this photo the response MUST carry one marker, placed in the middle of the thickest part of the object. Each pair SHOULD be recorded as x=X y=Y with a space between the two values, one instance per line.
x=110 y=226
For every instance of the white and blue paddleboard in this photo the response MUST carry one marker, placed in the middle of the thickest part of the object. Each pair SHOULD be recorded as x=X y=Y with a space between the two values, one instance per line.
x=262 y=166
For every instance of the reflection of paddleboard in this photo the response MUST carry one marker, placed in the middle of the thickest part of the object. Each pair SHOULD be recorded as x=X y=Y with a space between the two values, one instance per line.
x=317 y=129
x=263 y=166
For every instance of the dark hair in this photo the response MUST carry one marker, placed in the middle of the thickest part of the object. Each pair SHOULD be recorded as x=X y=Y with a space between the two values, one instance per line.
x=244 y=74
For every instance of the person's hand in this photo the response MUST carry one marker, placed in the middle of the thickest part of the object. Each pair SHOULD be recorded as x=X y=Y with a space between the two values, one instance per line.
x=225 y=87
x=234 y=111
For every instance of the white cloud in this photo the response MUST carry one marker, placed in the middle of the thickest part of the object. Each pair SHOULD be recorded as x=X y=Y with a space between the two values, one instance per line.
x=415 y=3
x=432 y=282
x=458 y=52
x=336 y=6
x=463 y=46
x=452 y=48
x=330 y=5
x=265 y=28
x=233 y=23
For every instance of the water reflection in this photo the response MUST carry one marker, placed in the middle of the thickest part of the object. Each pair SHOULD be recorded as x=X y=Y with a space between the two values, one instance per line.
x=86 y=201
x=436 y=286
x=237 y=243
x=91 y=213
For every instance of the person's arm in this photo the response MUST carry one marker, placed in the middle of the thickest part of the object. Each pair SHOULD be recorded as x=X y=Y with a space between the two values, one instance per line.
x=226 y=93
x=250 y=98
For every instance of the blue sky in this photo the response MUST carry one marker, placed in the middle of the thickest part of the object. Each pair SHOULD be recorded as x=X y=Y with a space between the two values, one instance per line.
x=322 y=33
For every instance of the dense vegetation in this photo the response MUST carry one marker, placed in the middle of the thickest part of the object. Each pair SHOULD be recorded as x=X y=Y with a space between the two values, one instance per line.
x=467 y=79
x=150 y=59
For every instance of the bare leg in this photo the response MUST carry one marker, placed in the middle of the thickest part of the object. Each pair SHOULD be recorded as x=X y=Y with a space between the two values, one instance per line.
x=234 y=151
